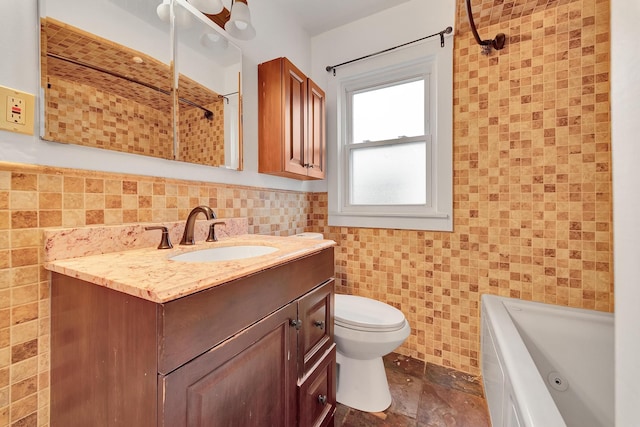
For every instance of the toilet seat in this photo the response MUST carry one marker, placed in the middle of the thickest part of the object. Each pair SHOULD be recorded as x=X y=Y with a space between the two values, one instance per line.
x=366 y=314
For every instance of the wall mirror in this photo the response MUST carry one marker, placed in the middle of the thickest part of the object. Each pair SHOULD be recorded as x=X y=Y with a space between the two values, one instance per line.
x=115 y=75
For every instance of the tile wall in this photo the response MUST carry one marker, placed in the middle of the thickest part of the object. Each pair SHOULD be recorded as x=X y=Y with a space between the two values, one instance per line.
x=532 y=206
x=202 y=140
x=532 y=185
x=34 y=197
x=84 y=115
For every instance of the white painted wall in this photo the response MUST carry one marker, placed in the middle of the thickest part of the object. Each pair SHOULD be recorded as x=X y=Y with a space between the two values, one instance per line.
x=401 y=24
x=278 y=35
x=625 y=108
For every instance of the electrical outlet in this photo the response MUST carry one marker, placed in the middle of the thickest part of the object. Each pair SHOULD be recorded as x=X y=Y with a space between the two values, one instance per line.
x=16 y=110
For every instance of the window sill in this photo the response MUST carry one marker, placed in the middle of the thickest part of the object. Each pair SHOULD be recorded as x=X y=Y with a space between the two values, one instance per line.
x=434 y=222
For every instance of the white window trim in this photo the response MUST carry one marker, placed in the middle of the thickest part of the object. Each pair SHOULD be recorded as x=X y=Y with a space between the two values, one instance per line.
x=438 y=61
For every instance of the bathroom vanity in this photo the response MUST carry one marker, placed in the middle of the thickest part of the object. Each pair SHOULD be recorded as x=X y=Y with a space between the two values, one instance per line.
x=253 y=349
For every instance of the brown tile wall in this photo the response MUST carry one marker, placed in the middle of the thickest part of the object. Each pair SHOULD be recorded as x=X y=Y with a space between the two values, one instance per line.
x=202 y=140
x=34 y=197
x=532 y=207
x=532 y=188
x=85 y=115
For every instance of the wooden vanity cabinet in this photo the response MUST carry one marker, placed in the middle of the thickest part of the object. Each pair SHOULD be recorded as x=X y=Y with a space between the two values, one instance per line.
x=291 y=126
x=257 y=351
x=316 y=357
x=248 y=380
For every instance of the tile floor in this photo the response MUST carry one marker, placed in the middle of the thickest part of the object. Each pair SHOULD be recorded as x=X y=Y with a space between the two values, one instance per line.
x=423 y=396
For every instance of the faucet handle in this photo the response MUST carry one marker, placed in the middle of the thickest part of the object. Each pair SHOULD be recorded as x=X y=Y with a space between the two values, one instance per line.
x=212 y=231
x=165 y=241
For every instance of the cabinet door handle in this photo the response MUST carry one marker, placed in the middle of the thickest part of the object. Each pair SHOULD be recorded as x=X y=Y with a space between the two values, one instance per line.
x=296 y=323
x=319 y=324
x=322 y=399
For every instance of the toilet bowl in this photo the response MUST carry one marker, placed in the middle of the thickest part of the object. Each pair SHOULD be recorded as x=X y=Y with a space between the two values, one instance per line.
x=364 y=331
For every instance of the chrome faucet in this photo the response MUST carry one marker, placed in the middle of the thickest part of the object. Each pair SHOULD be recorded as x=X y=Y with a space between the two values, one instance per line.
x=187 y=236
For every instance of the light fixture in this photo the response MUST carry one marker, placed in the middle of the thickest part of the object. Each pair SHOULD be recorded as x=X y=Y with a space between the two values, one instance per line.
x=211 y=7
x=164 y=10
x=183 y=16
x=239 y=26
x=214 y=41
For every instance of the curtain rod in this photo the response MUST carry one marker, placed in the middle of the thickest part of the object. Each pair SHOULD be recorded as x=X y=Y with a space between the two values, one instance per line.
x=227 y=95
x=447 y=30
x=207 y=113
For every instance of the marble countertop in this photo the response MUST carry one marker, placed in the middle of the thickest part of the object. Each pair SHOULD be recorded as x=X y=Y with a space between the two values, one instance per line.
x=149 y=273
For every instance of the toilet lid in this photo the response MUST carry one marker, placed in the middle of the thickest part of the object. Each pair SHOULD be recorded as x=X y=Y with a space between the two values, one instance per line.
x=366 y=314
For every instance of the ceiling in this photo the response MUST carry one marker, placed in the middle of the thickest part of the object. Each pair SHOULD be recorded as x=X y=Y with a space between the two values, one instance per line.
x=318 y=16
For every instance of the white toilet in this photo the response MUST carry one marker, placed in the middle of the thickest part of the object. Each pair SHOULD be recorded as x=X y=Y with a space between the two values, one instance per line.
x=364 y=331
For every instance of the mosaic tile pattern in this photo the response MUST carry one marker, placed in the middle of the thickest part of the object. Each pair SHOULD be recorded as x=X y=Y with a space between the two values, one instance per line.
x=202 y=140
x=491 y=12
x=34 y=197
x=89 y=107
x=69 y=42
x=84 y=115
x=532 y=207
x=532 y=189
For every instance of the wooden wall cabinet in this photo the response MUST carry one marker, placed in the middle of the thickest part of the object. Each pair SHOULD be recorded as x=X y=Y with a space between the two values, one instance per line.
x=291 y=124
x=257 y=351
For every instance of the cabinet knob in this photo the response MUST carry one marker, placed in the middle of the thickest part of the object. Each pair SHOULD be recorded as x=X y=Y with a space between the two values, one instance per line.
x=296 y=323
x=322 y=399
x=318 y=324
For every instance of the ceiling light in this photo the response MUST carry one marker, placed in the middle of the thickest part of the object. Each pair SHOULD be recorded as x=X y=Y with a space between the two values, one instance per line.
x=239 y=26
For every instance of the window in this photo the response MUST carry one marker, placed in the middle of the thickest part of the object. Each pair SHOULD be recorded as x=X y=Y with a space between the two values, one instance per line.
x=394 y=147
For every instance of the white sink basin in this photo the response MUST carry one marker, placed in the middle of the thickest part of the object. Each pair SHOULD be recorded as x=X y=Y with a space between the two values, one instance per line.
x=224 y=253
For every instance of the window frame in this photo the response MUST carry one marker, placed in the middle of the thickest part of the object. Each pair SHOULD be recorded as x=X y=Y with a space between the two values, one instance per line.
x=352 y=87
x=437 y=214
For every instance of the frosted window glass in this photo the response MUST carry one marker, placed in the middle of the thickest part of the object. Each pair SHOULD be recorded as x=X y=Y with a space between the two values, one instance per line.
x=389 y=175
x=389 y=112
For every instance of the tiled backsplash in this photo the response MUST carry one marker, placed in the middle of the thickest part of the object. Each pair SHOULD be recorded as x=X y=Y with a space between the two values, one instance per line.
x=33 y=198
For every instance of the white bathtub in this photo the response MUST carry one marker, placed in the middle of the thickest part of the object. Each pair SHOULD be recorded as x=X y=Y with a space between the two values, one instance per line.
x=545 y=365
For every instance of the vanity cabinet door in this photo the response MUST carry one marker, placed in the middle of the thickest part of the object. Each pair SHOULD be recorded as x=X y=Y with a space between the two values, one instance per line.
x=316 y=333
x=248 y=380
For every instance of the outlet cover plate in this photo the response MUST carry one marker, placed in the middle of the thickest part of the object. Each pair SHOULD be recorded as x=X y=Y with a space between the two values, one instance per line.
x=22 y=123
